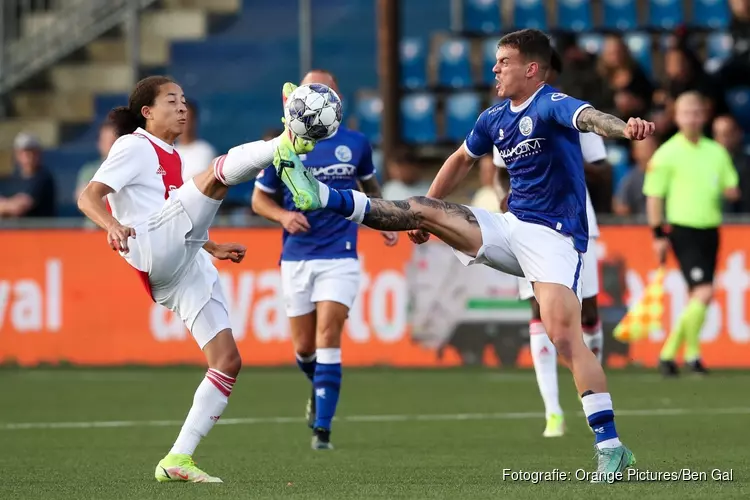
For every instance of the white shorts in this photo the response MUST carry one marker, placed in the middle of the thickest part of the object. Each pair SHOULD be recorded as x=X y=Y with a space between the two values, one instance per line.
x=589 y=276
x=306 y=282
x=169 y=248
x=523 y=249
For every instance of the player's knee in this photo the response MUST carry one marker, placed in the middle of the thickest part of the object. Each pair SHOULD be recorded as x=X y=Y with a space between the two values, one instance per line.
x=229 y=362
x=703 y=292
x=305 y=345
x=563 y=344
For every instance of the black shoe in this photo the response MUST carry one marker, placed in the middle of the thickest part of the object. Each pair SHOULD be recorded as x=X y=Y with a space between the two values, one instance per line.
x=697 y=367
x=668 y=368
x=321 y=439
x=310 y=410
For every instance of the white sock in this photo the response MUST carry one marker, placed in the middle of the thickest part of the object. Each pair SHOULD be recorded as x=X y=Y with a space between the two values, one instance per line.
x=208 y=404
x=544 y=355
x=597 y=403
x=243 y=163
x=593 y=337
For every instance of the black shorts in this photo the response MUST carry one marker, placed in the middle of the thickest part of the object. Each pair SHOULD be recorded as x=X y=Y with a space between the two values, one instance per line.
x=696 y=251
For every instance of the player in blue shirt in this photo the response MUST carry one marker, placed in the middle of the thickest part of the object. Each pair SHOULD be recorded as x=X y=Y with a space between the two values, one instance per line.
x=320 y=272
x=543 y=234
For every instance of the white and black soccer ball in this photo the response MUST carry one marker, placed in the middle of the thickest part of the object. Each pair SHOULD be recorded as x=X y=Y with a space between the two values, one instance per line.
x=313 y=111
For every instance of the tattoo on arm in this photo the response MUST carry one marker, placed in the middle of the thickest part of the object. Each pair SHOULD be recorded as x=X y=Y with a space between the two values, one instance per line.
x=371 y=187
x=418 y=212
x=593 y=120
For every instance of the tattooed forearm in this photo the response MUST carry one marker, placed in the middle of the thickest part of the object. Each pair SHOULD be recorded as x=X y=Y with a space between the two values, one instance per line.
x=593 y=120
x=418 y=212
x=371 y=187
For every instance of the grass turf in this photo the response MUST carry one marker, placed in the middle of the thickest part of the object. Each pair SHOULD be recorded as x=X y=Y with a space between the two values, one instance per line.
x=448 y=434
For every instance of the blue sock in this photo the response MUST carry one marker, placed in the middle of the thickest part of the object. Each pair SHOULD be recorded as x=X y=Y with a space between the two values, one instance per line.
x=327 y=383
x=340 y=201
x=601 y=417
x=307 y=365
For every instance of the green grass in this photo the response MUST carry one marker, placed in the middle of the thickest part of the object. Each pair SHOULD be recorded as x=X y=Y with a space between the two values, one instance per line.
x=407 y=457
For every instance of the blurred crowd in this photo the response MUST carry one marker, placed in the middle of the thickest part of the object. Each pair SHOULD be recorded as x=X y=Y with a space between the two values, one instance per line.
x=612 y=81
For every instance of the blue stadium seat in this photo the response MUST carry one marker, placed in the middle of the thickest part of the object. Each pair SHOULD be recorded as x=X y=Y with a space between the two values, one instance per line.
x=639 y=45
x=718 y=46
x=619 y=158
x=413 y=63
x=738 y=99
x=489 y=50
x=461 y=112
x=482 y=16
x=711 y=13
x=418 y=119
x=620 y=14
x=103 y=104
x=369 y=115
x=454 y=67
x=591 y=42
x=665 y=14
x=530 y=14
x=574 y=15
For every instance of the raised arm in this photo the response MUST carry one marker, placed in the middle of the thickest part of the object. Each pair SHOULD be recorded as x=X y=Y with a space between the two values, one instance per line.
x=611 y=127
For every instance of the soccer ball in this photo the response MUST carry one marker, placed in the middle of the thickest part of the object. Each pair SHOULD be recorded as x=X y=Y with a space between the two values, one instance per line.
x=313 y=111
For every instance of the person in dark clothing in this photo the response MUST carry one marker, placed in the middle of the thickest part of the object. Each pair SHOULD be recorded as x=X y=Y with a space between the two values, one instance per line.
x=31 y=190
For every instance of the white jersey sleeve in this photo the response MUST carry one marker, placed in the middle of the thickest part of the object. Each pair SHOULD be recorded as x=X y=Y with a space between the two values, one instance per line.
x=497 y=159
x=592 y=149
x=128 y=156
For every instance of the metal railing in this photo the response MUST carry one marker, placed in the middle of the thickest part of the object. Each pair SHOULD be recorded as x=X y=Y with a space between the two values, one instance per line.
x=35 y=34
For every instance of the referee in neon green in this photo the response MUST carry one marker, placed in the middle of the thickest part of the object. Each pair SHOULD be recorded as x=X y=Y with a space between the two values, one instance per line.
x=690 y=174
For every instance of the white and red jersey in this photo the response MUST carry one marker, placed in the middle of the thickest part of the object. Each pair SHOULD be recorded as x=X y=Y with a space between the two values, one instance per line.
x=141 y=169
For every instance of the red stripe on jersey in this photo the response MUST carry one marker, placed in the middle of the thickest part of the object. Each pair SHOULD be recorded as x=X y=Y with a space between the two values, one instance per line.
x=170 y=167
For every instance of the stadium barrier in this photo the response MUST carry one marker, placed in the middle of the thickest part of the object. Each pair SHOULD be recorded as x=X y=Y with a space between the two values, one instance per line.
x=66 y=298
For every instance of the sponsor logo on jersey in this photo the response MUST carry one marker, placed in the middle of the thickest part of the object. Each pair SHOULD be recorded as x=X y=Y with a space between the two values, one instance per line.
x=525 y=126
x=337 y=170
x=343 y=154
x=161 y=171
x=523 y=149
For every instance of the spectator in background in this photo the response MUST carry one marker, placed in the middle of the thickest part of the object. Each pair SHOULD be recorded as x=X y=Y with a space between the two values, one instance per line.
x=629 y=198
x=729 y=134
x=580 y=77
x=486 y=196
x=404 y=178
x=683 y=73
x=31 y=190
x=737 y=68
x=196 y=153
x=107 y=137
x=630 y=88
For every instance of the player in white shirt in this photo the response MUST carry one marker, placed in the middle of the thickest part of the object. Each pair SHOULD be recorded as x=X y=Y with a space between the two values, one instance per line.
x=195 y=152
x=543 y=352
x=159 y=224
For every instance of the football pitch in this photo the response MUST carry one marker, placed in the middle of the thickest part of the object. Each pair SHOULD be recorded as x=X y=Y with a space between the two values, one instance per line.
x=68 y=433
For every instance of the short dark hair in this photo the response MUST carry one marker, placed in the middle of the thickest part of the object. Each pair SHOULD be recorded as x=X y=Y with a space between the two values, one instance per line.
x=128 y=118
x=531 y=44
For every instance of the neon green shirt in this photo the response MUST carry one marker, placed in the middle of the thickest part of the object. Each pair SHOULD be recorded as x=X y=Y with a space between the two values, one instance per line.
x=692 y=178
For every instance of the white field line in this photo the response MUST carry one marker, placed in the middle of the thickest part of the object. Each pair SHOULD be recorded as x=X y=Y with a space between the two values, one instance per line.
x=449 y=417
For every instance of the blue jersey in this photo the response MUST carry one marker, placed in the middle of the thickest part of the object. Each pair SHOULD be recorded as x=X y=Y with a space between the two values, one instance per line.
x=540 y=145
x=339 y=162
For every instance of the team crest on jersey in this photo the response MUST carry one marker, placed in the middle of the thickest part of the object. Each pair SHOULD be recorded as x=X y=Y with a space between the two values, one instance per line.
x=558 y=96
x=525 y=126
x=343 y=153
